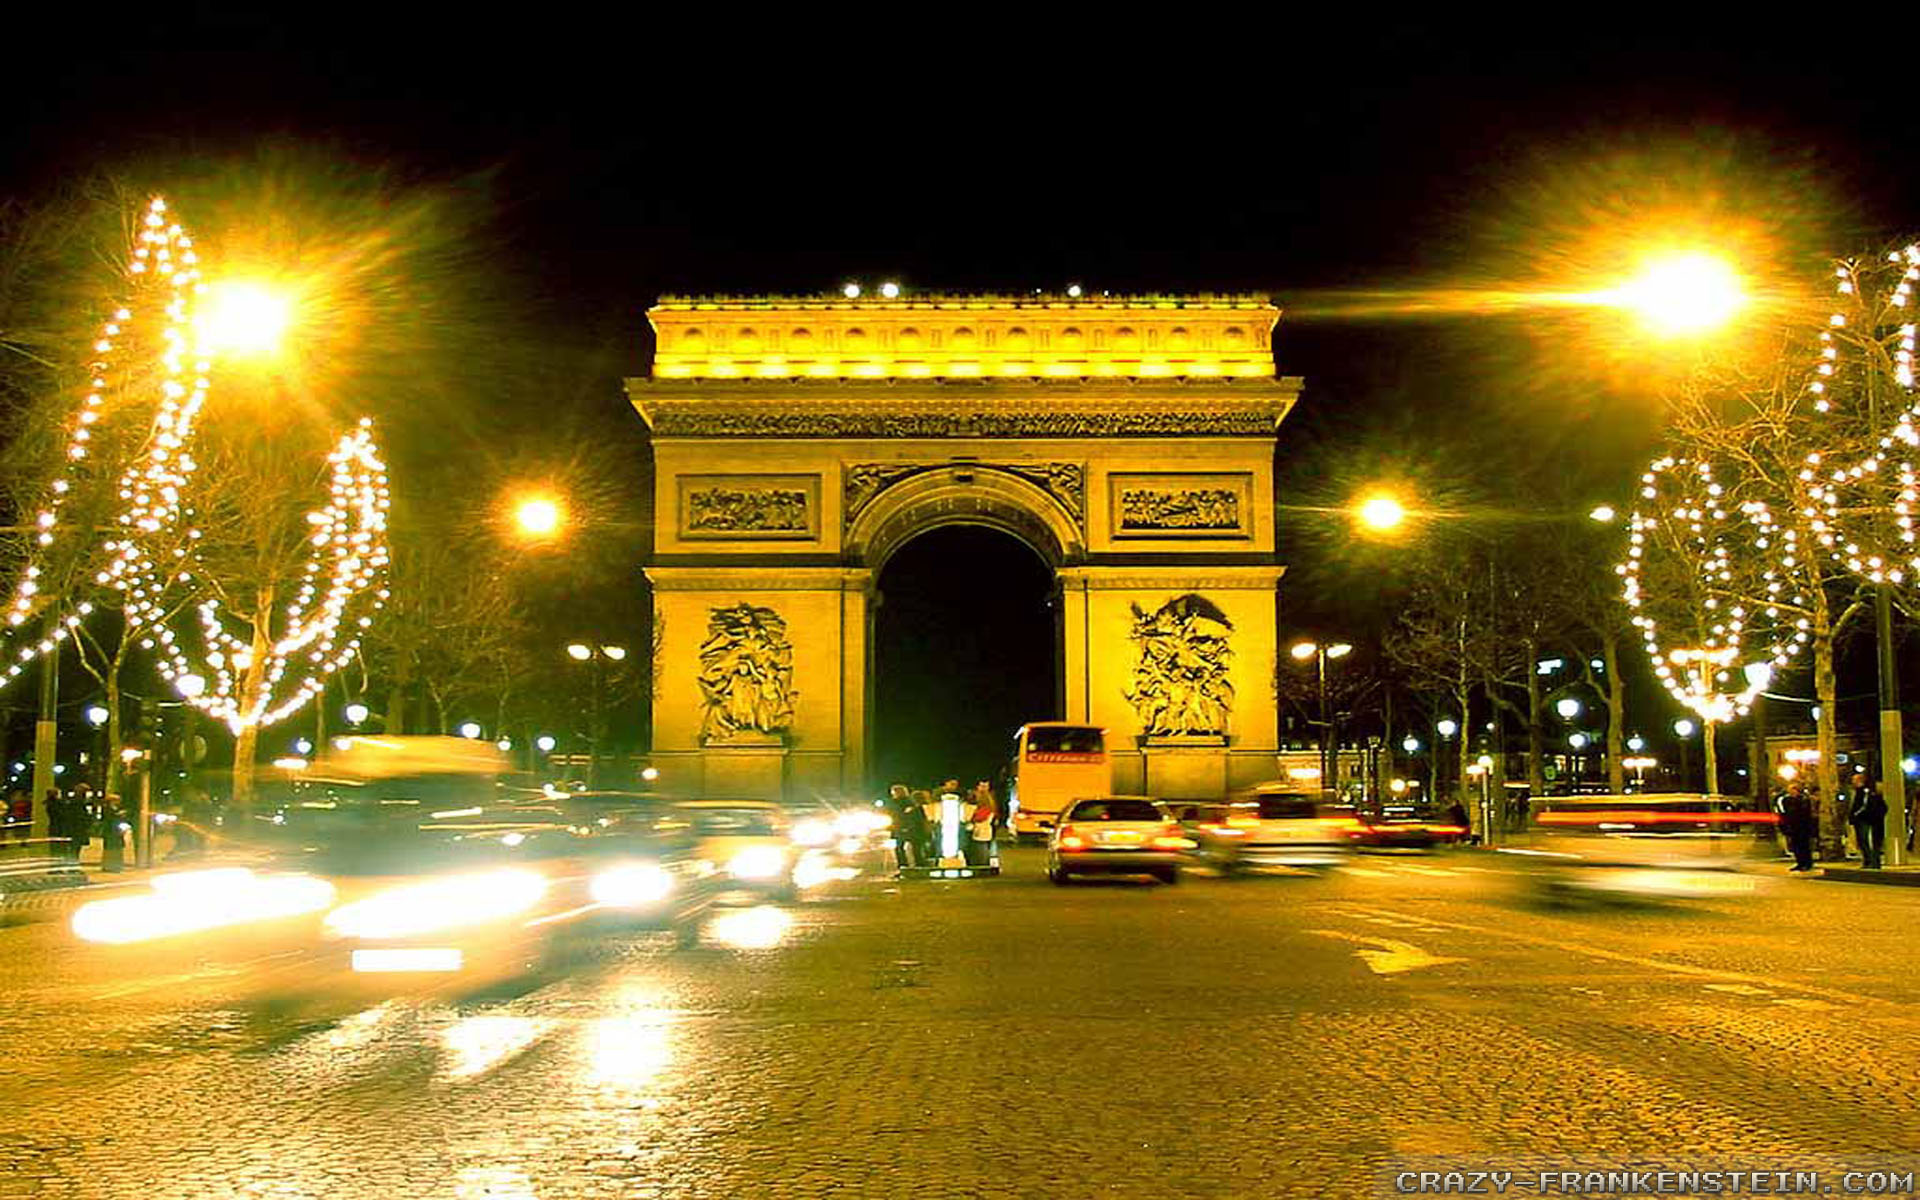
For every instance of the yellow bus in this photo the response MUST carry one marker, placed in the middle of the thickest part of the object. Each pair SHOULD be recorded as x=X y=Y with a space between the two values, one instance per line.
x=1054 y=764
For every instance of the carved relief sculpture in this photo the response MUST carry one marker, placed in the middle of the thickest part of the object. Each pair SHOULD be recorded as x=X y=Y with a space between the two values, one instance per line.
x=1186 y=508
x=1180 y=683
x=746 y=673
x=758 y=509
x=1065 y=482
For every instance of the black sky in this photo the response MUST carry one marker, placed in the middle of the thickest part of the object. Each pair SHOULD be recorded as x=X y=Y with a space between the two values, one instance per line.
x=635 y=152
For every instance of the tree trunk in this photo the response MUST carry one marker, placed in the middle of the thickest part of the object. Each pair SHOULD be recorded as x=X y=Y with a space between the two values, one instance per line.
x=1462 y=780
x=1536 y=727
x=112 y=781
x=253 y=682
x=396 y=722
x=1711 y=745
x=1831 y=806
x=1497 y=780
x=1616 y=714
x=1759 y=786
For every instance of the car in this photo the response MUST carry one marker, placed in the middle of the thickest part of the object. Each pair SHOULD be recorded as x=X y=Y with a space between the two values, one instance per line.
x=1275 y=826
x=500 y=890
x=1402 y=827
x=1116 y=835
x=749 y=842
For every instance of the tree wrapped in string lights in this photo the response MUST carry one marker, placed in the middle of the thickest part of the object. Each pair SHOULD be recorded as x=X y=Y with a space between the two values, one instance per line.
x=247 y=664
x=1789 y=485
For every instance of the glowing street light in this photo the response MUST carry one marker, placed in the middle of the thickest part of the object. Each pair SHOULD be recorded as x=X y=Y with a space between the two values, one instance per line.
x=1578 y=741
x=1684 y=728
x=1685 y=294
x=1602 y=513
x=545 y=743
x=579 y=651
x=1410 y=744
x=538 y=516
x=97 y=716
x=244 y=318
x=1380 y=512
x=1447 y=727
x=1567 y=707
x=1636 y=743
x=470 y=729
x=357 y=713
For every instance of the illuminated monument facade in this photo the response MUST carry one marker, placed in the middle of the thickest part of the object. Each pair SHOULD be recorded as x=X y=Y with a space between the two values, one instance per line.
x=799 y=442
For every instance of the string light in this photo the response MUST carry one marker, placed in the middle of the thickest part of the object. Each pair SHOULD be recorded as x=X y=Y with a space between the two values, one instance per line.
x=156 y=549
x=1750 y=609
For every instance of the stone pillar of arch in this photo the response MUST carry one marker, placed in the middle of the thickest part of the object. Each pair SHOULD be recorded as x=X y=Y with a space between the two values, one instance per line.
x=1130 y=445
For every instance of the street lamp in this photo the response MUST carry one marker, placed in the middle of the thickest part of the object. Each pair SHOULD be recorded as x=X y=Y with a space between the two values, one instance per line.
x=1684 y=729
x=470 y=729
x=1410 y=744
x=1684 y=295
x=357 y=713
x=1447 y=727
x=1329 y=746
x=597 y=655
x=545 y=743
x=1636 y=743
x=244 y=318
x=538 y=516
x=1380 y=512
x=1639 y=767
x=1567 y=707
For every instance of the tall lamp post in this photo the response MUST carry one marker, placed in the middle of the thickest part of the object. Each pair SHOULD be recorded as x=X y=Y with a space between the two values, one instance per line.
x=1683 y=729
x=1329 y=745
x=596 y=656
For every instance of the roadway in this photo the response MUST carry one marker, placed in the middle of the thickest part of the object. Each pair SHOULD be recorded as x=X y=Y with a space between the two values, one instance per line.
x=1253 y=1037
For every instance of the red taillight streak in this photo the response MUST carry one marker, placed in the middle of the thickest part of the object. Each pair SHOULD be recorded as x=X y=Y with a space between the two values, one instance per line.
x=1631 y=817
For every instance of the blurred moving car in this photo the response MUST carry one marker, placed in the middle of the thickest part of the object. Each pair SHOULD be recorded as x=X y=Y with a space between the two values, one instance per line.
x=508 y=889
x=749 y=842
x=1403 y=827
x=1275 y=825
x=1641 y=845
x=1116 y=835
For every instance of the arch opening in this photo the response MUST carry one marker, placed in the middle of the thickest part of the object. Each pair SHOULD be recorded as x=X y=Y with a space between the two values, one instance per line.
x=966 y=649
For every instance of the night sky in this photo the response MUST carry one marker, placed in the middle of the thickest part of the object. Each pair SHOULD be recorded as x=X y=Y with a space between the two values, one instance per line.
x=622 y=156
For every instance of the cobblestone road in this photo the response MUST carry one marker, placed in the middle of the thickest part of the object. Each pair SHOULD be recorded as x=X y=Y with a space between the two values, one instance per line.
x=1261 y=1037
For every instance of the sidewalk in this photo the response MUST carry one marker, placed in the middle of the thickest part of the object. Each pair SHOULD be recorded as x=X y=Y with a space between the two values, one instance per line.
x=1890 y=876
x=50 y=889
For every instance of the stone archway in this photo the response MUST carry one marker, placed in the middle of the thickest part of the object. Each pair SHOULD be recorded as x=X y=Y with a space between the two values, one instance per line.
x=800 y=442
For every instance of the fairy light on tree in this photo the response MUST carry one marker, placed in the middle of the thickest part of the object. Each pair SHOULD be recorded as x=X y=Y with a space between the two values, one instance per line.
x=156 y=554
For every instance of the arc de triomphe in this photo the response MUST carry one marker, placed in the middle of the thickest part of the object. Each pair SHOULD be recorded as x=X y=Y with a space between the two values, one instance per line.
x=800 y=441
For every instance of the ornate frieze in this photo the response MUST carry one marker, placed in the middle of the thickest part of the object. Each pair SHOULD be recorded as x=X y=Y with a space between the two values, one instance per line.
x=677 y=421
x=1182 y=505
x=749 y=507
x=1180 y=684
x=746 y=674
x=1064 y=481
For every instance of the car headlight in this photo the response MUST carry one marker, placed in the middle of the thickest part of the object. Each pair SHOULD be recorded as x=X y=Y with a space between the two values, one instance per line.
x=439 y=904
x=757 y=862
x=812 y=833
x=633 y=886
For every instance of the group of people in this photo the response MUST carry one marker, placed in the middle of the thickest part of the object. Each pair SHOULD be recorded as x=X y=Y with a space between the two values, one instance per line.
x=1866 y=812
x=917 y=817
x=75 y=818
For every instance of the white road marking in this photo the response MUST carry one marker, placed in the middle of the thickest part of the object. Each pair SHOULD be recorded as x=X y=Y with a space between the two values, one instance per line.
x=1367 y=872
x=1738 y=989
x=1388 y=957
x=1638 y=960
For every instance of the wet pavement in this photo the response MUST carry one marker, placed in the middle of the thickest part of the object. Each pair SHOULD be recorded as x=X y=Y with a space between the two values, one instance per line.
x=1250 y=1037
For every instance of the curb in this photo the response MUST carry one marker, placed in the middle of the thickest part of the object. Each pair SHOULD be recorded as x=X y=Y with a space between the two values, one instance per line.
x=1895 y=877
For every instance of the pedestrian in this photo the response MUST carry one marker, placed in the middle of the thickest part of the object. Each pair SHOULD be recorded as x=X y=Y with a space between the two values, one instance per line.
x=979 y=845
x=1457 y=817
x=1797 y=823
x=55 y=806
x=907 y=820
x=1867 y=813
x=929 y=806
x=113 y=835
x=74 y=826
